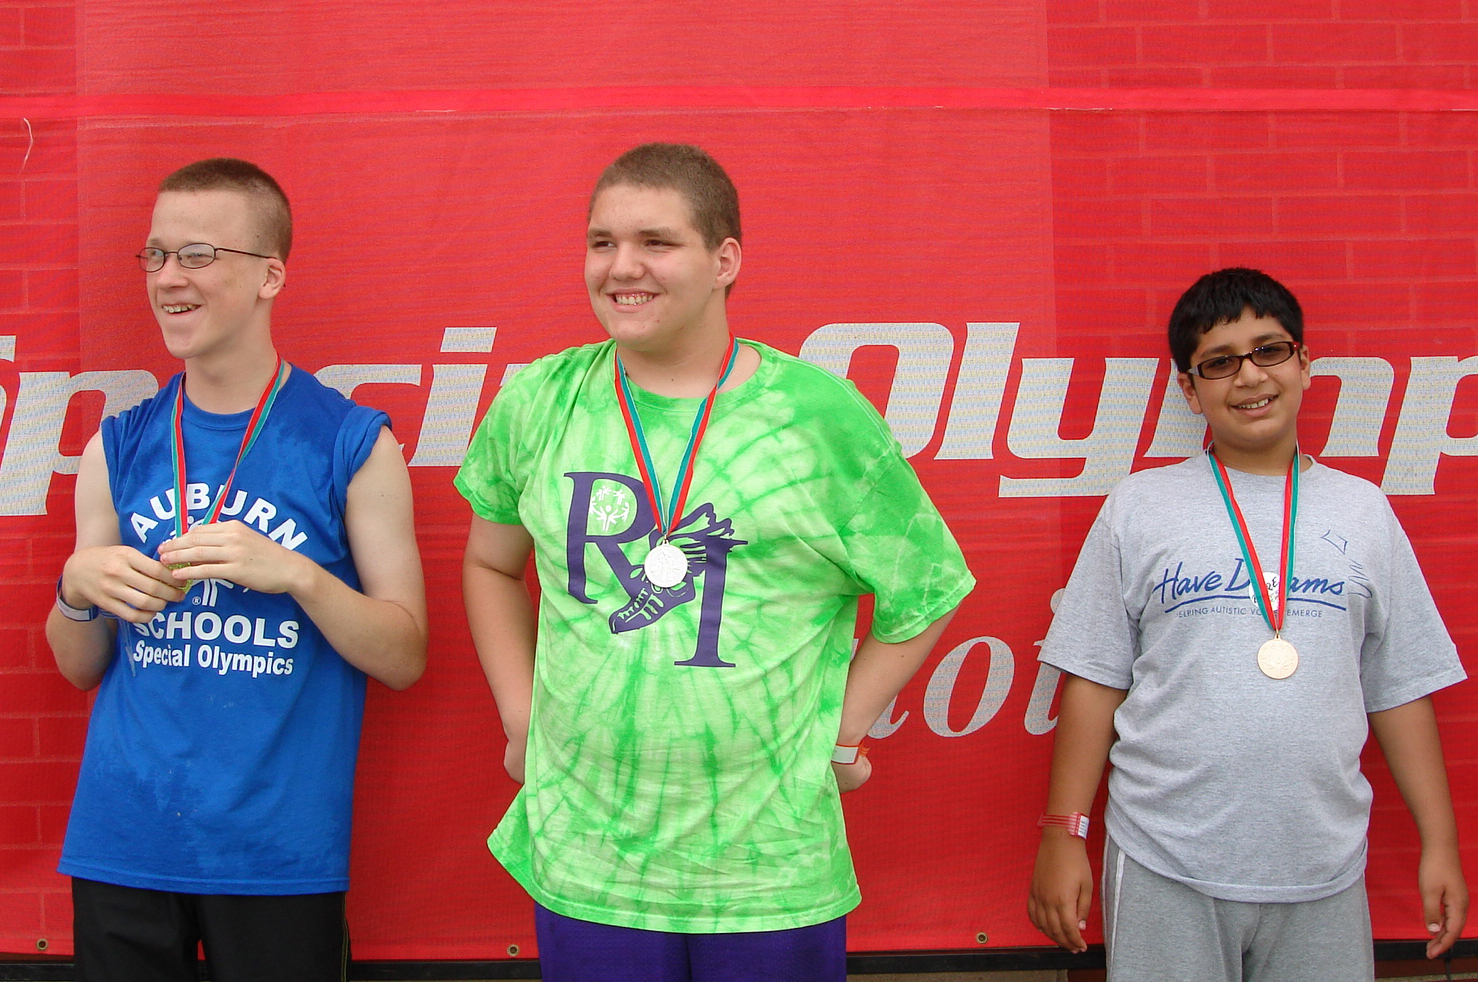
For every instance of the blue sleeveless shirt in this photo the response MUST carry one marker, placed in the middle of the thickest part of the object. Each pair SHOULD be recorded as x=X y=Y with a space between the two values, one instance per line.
x=221 y=750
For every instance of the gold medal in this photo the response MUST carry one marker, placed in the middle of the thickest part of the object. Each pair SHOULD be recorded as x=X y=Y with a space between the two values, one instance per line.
x=188 y=583
x=1277 y=658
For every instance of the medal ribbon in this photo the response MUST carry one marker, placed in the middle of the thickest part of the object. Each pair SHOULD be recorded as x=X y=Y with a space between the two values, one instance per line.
x=1244 y=538
x=667 y=518
x=253 y=430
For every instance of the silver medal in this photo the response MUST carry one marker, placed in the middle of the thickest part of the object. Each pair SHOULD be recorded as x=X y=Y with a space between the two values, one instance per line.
x=666 y=566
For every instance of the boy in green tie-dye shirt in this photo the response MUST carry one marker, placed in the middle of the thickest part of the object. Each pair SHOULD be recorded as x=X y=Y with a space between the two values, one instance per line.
x=693 y=707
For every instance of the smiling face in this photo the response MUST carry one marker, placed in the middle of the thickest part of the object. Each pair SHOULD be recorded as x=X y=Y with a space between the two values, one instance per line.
x=225 y=307
x=1253 y=414
x=654 y=286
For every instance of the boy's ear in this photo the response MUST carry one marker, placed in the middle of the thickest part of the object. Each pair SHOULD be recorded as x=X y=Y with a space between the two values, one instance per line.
x=273 y=280
x=1304 y=363
x=1188 y=389
x=730 y=257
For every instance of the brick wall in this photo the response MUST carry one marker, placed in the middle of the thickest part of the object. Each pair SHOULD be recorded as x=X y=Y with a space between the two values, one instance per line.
x=1380 y=200
x=1418 y=44
x=42 y=717
x=1372 y=217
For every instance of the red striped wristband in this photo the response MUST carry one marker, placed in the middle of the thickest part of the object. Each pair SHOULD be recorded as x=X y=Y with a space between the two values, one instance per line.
x=1076 y=823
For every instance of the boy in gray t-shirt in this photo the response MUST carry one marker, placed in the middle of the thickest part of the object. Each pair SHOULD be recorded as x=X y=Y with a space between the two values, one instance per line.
x=1234 y=707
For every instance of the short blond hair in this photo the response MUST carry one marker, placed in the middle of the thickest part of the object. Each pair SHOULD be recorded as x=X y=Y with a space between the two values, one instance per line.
x=274 y=214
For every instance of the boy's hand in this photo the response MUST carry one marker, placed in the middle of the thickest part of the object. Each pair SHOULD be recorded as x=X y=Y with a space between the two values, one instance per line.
x=1444 y=898
x=852 y=776
x=120 y=580
x=1062 y=889
x=233 y=552
x=1408 y=737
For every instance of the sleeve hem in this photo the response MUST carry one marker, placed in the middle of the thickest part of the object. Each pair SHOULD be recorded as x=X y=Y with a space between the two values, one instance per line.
x=915 y=626
x=1416 y=689
x=482 y=509
x=1089 y=672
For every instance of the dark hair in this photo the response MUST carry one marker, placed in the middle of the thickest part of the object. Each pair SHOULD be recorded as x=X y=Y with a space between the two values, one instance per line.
x=688 y=170
x=1222 y=297
x=274 y=214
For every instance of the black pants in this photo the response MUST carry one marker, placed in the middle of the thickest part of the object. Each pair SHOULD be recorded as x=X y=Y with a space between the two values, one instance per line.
x=124 y=934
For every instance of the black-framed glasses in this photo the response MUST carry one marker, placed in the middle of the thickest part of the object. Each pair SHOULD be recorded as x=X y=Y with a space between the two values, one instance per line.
x=1263 y=356
x=196 y=255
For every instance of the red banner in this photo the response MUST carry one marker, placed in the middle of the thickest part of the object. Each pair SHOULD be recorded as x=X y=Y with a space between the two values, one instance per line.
x=981 y=212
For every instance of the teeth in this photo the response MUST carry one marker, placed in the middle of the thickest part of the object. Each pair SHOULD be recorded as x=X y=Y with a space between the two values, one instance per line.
x=1256 y=405
x=179 y=308
x=632 y=299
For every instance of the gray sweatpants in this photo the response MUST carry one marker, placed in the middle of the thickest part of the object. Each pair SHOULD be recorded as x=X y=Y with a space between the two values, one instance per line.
x=1158 y=930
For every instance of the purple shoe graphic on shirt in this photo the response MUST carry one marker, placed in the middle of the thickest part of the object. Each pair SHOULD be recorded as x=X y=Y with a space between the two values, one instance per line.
x=650 y=603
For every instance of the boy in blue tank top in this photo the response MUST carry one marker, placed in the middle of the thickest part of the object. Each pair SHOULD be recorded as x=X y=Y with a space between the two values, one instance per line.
x=245 y=557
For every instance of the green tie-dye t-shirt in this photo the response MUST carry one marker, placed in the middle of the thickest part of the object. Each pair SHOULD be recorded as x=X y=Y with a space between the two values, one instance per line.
x=678 y=774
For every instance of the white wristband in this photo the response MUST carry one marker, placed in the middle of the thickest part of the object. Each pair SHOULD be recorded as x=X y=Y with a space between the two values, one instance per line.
x=82 y=614
x=842 y=754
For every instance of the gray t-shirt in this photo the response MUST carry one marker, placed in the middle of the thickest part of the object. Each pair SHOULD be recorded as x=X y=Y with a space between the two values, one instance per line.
x=1239 y=786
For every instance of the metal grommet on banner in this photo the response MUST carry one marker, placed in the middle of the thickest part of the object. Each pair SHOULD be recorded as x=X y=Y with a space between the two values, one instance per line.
x=513 y=951
x=981 y=937
x=42 y=944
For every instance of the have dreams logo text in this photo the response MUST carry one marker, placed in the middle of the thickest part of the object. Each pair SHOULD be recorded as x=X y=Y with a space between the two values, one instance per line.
x=1229 y=589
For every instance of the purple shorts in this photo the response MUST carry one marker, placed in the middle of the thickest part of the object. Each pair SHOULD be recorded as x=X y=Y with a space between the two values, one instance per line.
x=572 y=950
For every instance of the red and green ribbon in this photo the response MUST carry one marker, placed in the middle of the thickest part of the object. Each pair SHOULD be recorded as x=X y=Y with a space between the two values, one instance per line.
x=1244 y=538
x=668 y=511
x=253 y=430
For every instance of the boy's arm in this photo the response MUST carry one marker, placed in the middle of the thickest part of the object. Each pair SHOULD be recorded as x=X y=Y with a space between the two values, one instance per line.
x=1062 y=883
x=878 y=672
x=500 y=614
x=381 y=628
x=1408 y=737
x=102 y=573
